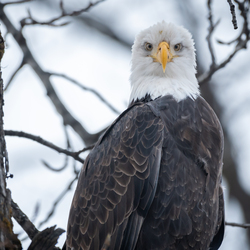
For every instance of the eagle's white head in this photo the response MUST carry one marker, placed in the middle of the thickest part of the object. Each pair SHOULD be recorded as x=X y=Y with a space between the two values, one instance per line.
x=163 y=62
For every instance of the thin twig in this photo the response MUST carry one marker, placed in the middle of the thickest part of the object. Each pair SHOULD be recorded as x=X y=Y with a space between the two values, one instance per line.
x=38 y=139
x=85 y=149
x=232 y=224
x=245 y=32
x=211 y=29
x=14 y=74
x=232 y=9
x=227 y=43
x=31 y=21
x=17 y=2
x=241 y=40
x=47 y=165
x=69 y=148
x=86 y=89
x=35 y=212
x=67 y=137
x=68 y=118
x=103 y=28
x=60 y=197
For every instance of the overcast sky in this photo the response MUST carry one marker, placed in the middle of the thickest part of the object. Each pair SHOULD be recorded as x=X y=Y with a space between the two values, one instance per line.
x=99 y=62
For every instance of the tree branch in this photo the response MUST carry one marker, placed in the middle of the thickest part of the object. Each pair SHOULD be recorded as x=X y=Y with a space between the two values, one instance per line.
x=232 y=224
x=47 y=165
x=60 y=197
x=101 y=27
x=46 y=239
x=68 y=119
x=210 y=32
x=14 y=74
x=17 y=2
x=241 y=43
x=31 y=21
x=38 y=139
x=86 y=89
x=66 y=156
x=232 y=9
x=42 y=240
x=22 y=219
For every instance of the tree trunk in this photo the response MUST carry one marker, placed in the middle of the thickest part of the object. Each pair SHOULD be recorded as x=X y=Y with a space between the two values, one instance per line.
x=8 y=240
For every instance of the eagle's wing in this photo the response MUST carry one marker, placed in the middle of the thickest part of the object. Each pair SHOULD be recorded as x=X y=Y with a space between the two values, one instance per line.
x=188 y=208
x=117 y=184
x=219 y=234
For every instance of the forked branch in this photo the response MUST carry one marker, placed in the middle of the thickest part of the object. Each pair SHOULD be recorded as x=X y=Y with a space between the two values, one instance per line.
x=241 y=40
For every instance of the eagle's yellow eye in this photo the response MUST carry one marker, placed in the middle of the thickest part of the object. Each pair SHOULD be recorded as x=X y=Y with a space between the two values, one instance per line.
x=177 y=46
x=148 y=46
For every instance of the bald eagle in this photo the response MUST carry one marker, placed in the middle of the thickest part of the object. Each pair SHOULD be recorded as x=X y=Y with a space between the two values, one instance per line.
x=153 y=180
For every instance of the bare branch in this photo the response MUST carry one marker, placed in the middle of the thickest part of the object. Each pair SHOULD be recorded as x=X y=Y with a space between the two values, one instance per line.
x=67 y=137
x=85 y=149
x=244 y=10
x=46 y=239
x=232 y=9
x=210 y=32
x=245 y=32
x=103 y=28
x=68 y=119
x=66 y=156
x=207 y=75
x=87 y=89
x=14 y=74
x=28 y=226
x=35 y=212
x=62 y=6
x=17 y=2
x=241 y=40
x=33 y=219
x=232 y=224
x=38 y=139
x=47 y=165
x=227 y=43
x=23 y=220
x=60 y=197
x=31 y=21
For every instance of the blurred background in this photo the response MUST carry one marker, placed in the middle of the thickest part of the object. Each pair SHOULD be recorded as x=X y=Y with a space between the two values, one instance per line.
x=94 y=49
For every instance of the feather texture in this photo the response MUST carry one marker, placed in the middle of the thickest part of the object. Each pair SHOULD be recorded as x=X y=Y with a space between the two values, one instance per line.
x=152 y=181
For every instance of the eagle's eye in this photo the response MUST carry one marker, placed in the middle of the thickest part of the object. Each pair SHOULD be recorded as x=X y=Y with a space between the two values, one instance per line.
x=177 y=46
x=148 y=46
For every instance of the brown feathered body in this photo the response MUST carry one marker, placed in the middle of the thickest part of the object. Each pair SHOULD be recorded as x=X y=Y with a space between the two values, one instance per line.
x=153 y=181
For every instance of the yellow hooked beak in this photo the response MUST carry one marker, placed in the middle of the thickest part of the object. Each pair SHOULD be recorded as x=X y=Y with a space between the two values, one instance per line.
x=163 y=55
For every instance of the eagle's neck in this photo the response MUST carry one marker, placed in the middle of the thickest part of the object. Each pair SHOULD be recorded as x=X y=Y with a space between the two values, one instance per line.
x=146 y=98
x=154 y=86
